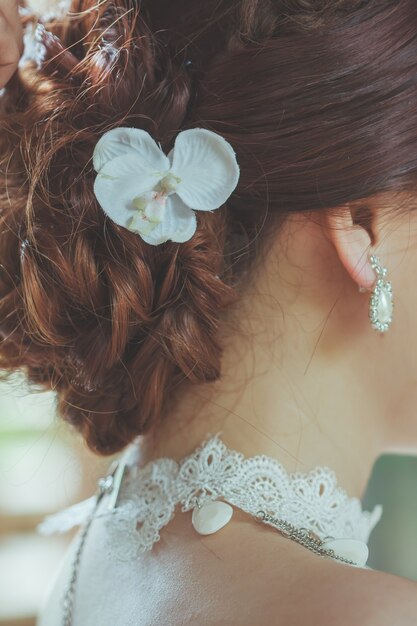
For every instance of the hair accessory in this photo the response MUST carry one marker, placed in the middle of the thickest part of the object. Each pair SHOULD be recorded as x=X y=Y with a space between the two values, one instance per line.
x=155 y=195
x=33 y=44
x=380 y=304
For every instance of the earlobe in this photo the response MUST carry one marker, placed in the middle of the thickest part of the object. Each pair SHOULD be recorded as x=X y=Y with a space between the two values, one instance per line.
x=352 y=243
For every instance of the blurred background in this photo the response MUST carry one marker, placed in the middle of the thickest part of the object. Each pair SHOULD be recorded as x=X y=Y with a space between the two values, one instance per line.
x=44 y=466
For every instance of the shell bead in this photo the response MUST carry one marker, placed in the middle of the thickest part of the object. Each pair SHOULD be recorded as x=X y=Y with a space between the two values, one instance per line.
x=353 y=549
x=211 y=517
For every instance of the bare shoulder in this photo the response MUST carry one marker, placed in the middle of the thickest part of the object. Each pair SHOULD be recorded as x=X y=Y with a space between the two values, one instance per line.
x=335 y=593
x=244 y=575
x=248 y=573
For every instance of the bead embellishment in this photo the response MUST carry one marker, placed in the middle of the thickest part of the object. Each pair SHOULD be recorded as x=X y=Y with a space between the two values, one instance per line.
x=350 y=549
x=381 y=304
x=211 y=516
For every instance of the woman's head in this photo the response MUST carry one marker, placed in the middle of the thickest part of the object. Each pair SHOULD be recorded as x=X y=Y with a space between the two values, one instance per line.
x=317 y=100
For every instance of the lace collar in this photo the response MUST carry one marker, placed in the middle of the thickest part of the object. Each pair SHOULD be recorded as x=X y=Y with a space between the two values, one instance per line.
x=147 y=497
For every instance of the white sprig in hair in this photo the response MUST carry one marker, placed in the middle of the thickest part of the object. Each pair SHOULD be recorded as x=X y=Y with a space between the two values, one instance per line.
x=154 y=195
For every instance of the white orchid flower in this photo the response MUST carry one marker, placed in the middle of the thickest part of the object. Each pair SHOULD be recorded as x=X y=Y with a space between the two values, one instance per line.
x=155 y=195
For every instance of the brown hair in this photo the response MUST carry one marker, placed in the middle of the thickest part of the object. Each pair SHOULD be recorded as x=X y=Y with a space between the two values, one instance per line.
x=316 y=97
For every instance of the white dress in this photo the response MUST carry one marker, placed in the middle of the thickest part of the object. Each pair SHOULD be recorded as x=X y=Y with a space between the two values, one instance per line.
x=129 y=518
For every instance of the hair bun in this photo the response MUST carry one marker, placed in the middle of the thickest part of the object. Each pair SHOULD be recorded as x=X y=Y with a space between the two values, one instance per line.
x=116 y=326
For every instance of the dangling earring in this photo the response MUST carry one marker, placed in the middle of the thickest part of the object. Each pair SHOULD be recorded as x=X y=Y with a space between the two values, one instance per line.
x=380 y=304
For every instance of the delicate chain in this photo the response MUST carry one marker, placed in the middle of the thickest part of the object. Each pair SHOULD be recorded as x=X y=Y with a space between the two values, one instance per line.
x=302 y=535
x=105 y=485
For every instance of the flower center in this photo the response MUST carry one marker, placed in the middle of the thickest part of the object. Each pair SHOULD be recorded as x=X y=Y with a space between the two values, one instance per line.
x=168 y=184
x=151 y=206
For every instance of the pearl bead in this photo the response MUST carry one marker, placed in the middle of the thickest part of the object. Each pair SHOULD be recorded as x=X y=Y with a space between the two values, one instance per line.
x=384 y=308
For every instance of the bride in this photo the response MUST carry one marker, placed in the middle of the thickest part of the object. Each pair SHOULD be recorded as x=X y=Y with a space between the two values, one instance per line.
x=208 y=250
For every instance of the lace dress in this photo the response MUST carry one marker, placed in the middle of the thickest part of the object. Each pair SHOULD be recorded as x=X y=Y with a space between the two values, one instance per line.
x=133 y=516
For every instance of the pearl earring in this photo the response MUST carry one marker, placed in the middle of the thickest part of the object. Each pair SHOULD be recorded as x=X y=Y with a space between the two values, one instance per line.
x=380 y=303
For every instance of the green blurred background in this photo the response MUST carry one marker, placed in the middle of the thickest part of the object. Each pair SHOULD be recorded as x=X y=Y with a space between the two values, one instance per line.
x=44 y=467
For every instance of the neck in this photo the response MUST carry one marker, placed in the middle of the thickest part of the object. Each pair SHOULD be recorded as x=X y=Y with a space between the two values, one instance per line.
x=292 y=384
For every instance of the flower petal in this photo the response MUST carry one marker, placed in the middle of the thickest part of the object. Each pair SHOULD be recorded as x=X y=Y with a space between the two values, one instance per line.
x=185 y=219
x=118 y=183
x=179 y=224
x=137 y=224
x=134 y=141
x=206 y=164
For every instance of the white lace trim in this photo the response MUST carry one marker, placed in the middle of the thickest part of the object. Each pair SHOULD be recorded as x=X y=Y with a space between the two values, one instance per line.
x=311 y=500
x=149 y=495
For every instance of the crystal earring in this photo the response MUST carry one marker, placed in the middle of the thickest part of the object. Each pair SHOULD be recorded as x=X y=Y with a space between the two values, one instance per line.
x=380 y=303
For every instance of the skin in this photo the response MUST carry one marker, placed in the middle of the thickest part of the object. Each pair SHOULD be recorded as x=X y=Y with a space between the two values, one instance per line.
x=246 y=574
x=308 y=381
x=11 y=40
x=305 y=378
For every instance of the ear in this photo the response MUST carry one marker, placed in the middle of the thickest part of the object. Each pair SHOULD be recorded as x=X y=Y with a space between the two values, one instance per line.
x=353 y=245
